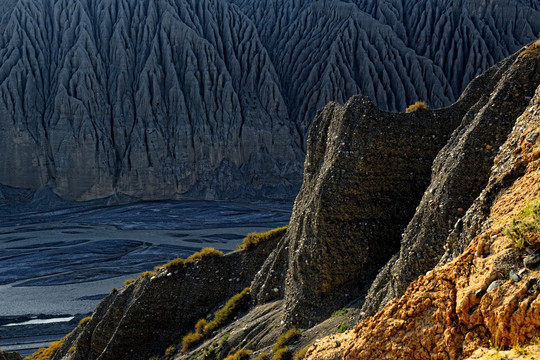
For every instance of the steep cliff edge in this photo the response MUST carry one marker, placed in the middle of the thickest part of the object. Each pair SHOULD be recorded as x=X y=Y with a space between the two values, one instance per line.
x=478 y=299
x=368 y=175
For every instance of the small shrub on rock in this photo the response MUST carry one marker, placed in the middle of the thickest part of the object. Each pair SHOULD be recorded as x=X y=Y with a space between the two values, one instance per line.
x=419 y=105
x=203 y=328
x=204 y=253
x=253 y=239
x=239 y=354
x=525 y=227
x=286 y=338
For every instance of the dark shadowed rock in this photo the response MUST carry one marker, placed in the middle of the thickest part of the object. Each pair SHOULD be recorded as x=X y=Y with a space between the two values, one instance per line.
x=460 y=173
x=143 y=318
x=9 y=356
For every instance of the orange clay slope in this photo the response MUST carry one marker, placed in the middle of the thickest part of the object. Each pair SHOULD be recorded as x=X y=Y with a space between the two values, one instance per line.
x=471 y=303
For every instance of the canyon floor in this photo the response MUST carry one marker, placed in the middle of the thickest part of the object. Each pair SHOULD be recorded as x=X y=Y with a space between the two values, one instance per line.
x=58 y=261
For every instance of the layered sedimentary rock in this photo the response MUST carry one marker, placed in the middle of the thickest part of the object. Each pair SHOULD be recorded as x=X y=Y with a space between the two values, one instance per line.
x=364 y=174
x=460 y=173
x=478 y=298
x=367 y=174
x=141 y=319
x=169 y=98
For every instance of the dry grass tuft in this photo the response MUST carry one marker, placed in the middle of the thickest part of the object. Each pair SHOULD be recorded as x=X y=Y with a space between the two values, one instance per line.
x=253 y=239
x=419 y=105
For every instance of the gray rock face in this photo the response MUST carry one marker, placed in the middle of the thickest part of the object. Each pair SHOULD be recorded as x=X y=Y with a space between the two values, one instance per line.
x=157 y=99
x=365 y=172
x=143 y=318
x=460 y=174
x=146 y=98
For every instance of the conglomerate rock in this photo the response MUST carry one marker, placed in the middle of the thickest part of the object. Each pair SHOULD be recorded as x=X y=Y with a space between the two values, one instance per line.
x=460 y=173
x=477 y=299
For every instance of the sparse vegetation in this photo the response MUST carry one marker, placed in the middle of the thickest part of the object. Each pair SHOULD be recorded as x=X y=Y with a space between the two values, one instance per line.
x=302 y=353
x=419 y=105
x=253 y=239
x=204 y=253
x=525 y=227
x=146 y=274
x=342 y=328
x=129 y=281
x=280 y=348
x=85 y=320
x=286 y=338
x=169 y=352
x=191 y=339
x=48 y=352
x=239 y=354
x=176 y=263
x=180 y=263
x=72 y=350
x=222 y=316
x=280 y=353
x=262 y=356
x=340 y=312
x=520 y=350
x=217 y=351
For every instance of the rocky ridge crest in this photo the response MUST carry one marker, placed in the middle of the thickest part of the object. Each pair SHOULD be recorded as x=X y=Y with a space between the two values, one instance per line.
x=321 y=264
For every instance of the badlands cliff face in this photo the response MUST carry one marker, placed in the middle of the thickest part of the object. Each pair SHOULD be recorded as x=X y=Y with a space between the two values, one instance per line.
x=168 y=98
x=454 y=177
x=477 y=300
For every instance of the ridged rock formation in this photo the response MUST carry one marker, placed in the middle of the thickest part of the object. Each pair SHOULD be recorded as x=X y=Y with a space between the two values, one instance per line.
x=172 y=98
x=367 y=174
x=141 y=319
x=460 y=173
x=463 y=305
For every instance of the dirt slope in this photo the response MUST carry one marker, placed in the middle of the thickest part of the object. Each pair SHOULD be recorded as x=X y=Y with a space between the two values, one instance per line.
x=471 y=302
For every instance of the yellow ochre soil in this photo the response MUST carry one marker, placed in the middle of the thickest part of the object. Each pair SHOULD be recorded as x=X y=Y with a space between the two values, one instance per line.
x=447 y=313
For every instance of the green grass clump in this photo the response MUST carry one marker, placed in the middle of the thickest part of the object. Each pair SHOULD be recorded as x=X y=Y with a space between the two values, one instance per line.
x=342 y=328
x=203 y=328
x=85 y=320
x=525 y=227
x=253 y=239
x=204 y=253
x=419 y=105
x=340 y=312
x=239 y=354
x=48 y=352
x=181 y=263
x=72 y=350
x=173 y=264
x=280 y=348
x=285 y=338
x=129 y=281
x=191 y=339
